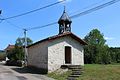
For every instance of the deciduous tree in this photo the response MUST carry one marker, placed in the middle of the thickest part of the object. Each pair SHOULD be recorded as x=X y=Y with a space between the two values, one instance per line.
x=96 y=51
x=18 y=52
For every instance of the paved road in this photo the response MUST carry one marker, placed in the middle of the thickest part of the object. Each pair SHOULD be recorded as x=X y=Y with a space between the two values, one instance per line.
x=8 y=73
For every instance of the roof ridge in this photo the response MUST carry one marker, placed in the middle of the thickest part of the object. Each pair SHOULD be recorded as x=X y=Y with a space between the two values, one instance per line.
x=59 y=36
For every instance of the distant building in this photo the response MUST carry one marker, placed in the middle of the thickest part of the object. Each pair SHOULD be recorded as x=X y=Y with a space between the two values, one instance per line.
x=63 y=49
x=9 y=48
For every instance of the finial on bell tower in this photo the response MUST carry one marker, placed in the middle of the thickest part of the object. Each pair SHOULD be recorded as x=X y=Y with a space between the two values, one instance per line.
x=64 y=8
x=64 y=22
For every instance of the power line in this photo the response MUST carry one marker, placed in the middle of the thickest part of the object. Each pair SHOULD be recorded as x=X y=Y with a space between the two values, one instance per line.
x=11 y=23
x=14 y=25
x=33 y=10
x=95 y=8
x=91 y=5
x=0 y=11
x=80 y=14
x=38 y=27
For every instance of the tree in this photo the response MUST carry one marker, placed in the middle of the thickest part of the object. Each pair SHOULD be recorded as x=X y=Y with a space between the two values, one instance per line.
x=2 y=55
x=96 y=51
x=115 y=54
x=21 y=41
x=18 y=52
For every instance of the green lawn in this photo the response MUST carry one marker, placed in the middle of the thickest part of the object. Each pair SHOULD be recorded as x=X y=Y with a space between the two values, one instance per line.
x=94 y=72
x=58 y=76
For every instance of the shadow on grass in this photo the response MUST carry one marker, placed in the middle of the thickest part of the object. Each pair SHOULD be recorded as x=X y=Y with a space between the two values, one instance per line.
x=31 y=70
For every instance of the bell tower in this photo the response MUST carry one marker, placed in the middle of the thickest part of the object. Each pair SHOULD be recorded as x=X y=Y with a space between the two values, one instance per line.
x=64 y=23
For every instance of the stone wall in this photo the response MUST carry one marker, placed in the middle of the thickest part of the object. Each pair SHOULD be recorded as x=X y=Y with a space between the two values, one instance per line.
x=56 y=53
x=37 y=55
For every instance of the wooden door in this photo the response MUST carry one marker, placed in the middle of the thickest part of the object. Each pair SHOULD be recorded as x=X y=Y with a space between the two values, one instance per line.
x=67 y=55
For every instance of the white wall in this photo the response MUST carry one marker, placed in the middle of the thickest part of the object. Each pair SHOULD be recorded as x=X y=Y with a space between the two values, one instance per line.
x=56 y=53
x=37 y=55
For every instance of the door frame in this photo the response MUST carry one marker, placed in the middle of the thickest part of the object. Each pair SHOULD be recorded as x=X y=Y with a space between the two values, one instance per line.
x=68 y=55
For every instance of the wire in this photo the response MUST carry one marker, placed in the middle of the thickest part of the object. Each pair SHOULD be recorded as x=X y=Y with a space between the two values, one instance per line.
x=95 y=8
x=11 y=23
x=14 y=25
x=0 y=11
x=38 y=27
x=33 y=10
x=80 y=14
x=91 y=5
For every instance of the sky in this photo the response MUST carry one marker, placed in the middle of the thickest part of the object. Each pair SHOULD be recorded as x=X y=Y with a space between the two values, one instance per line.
x=107 y=20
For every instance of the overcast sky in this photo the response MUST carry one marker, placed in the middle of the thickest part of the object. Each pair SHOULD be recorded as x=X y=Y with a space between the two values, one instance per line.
x=107 y=20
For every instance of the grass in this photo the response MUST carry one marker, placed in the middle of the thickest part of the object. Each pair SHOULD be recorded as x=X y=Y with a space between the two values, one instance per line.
x=94 y=72
x=101 y=72
x=58 y=76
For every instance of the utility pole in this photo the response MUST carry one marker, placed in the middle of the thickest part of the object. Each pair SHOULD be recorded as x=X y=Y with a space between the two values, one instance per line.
x=26 y=52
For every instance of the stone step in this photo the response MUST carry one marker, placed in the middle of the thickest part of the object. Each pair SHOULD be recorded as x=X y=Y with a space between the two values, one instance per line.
x=76 y=76
x=74 y=65
x=77 y=70
x=76 y=73
x=71 y=66
x=74 y=68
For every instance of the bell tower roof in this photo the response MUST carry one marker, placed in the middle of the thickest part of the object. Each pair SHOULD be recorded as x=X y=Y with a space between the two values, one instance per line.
x=64 y=23
x=64 y=17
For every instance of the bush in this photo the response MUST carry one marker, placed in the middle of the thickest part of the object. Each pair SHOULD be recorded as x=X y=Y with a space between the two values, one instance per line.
x=14 y=63
x=2 y=57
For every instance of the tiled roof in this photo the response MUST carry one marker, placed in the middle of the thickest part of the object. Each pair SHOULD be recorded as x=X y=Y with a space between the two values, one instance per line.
x=10 y=47
x=59 y=36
